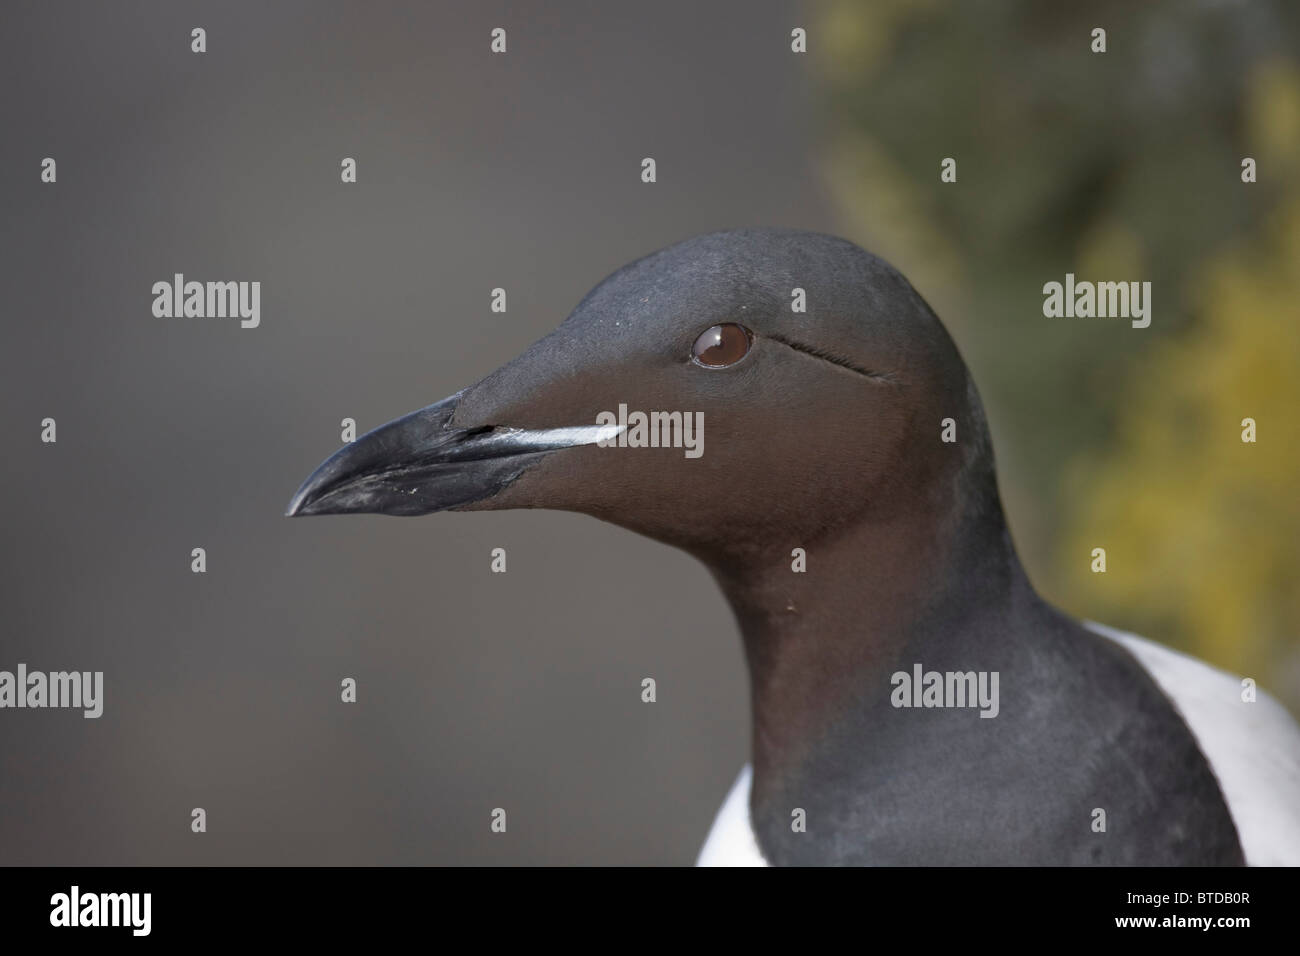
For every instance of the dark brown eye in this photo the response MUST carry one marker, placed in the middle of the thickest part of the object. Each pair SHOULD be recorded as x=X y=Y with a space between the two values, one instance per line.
x=721 y=345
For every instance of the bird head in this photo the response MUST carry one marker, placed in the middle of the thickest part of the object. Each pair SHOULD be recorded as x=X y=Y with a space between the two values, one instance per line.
x=812 y=378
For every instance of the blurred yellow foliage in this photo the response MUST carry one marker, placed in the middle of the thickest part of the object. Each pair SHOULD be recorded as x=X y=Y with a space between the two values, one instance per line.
x=1202 y=529
x=1273 y=114
x=857 y=36
x=1124 y=167
x=883 y=209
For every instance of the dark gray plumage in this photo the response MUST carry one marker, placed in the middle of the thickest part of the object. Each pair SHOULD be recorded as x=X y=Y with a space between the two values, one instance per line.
x=826 y=436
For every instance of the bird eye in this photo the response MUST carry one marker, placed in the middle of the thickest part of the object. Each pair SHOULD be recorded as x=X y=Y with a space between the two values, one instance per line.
x=721 y=345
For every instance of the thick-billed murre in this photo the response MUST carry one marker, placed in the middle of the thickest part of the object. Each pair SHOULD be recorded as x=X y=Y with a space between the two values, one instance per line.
x=824 y=435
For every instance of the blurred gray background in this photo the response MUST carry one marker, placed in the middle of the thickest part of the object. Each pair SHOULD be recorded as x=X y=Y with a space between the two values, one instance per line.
x=476 y=690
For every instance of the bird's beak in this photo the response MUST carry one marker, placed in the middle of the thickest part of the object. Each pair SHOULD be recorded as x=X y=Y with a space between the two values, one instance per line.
x=421 y=463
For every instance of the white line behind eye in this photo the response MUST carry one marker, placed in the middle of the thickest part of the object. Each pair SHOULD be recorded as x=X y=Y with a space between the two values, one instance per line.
x=568 y=436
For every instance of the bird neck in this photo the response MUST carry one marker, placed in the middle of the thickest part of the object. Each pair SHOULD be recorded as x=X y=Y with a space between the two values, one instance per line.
x=821 y=644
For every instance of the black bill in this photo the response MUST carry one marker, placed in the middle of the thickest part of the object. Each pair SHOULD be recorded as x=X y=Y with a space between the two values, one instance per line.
x=421 y=463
